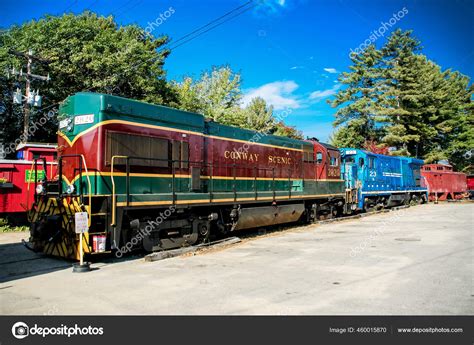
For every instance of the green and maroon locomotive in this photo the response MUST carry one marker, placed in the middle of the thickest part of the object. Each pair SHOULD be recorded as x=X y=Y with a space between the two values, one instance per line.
x=155 y=177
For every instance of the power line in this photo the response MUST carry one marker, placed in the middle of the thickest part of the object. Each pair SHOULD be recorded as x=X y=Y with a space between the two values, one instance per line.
x=71 y=5
x=172 y=47
x=213 y=27
x=117 y=14
x=202 y=32
x=212 y=21
x=209 y=27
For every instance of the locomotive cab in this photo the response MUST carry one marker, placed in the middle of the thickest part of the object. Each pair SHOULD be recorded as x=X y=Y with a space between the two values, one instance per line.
x=375 y=181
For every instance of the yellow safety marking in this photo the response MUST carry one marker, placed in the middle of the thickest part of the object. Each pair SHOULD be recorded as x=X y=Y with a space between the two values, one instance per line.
x=169 y=202
x=107 y=173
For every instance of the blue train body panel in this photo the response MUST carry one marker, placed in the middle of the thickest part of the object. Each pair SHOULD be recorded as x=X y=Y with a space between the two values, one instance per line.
x=390 y=178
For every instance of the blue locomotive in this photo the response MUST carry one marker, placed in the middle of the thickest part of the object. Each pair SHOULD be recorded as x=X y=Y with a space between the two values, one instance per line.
x=375 y=181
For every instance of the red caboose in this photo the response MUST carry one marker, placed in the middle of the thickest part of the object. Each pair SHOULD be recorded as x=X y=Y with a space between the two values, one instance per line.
x=17 y=177
x=444 y=183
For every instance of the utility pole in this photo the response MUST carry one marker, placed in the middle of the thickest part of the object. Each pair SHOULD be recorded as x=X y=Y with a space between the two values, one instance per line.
x=31 y=98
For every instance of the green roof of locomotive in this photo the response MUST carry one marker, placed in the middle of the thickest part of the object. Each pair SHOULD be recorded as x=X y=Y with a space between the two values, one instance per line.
x=108 y=107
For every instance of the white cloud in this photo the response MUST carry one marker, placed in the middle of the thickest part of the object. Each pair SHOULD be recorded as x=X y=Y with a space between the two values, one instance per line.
x=321 y=94
x=330 y=70
x=270 y=6
x=296 y=67
x=278 y=93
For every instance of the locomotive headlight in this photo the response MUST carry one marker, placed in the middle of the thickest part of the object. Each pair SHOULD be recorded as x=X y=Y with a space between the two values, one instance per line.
x=66 y=123
x=39 y=189
x=70 y=189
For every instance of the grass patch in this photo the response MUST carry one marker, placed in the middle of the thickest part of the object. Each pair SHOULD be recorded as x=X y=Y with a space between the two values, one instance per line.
x=5 y=227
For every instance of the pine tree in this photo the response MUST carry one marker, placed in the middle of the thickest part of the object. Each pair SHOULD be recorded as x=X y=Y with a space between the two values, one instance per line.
x=358 y=100
x=406 y=85
x=397 y=97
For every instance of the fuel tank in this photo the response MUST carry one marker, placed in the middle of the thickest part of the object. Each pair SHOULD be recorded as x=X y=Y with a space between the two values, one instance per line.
x=254 y=217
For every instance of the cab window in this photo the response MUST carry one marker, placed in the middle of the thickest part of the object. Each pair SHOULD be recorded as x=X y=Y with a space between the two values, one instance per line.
x=361 y=162
x=319 y=158
x=308 y=155
x=371 y=163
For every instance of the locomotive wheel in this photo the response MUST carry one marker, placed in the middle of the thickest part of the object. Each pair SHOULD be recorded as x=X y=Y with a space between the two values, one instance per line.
x=367 y=208
x=203 y=233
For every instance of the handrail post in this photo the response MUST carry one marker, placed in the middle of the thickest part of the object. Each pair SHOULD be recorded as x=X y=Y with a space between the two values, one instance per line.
x=173 y=191
x=80 y=182
x=255 y=171
x=211 y=182
x=60 y=176
x=274 y=192
x=289 y=183
x=35 y=177
x=127 y=184
x=233 y=185
x=89 y=189
x=302 y=177
x=114 y=201
x=45 y=168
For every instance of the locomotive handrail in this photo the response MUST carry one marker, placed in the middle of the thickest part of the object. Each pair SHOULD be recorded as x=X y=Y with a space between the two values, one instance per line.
x=211 y=182
x=289 y=183
x=89 y=209
x=28 y=193
x=255 y=182
x=114 y=203
x=273 y=184
x=234 y=187
x=171 y=165
x=34 y=165
x=82 y=161
x=227 y=165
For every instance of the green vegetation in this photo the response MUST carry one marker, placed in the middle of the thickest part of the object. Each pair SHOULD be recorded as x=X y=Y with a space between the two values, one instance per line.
x=5 y=227
x=87 y=52
x=393 y=97
x=396 y=97
x=217 y=95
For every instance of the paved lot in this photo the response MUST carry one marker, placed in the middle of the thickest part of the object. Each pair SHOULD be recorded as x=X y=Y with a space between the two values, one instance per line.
x=413 y=261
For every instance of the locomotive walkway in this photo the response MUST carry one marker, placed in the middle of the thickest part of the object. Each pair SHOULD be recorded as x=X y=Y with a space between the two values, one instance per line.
x=413 y=261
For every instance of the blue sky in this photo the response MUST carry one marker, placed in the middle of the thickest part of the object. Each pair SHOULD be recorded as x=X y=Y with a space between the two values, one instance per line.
x=288 y=51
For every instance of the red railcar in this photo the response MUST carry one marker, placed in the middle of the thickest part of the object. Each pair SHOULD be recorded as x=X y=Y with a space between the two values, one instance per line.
x=444 y=183
x=17 y=177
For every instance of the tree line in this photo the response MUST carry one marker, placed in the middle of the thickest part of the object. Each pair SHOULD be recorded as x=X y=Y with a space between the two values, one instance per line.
x=87 y=52
x=395 y=99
